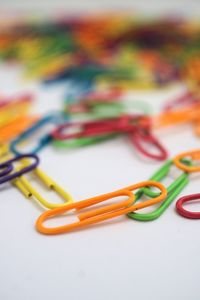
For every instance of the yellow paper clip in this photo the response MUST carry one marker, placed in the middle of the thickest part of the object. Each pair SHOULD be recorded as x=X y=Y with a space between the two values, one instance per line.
x=3 y=149
x=4 y=152
x=29 y=191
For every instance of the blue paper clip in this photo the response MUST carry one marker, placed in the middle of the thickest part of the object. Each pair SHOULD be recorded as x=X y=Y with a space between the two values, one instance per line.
x=46 y=139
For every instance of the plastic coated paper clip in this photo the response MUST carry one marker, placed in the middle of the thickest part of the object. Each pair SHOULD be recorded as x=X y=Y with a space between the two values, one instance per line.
x=173 y=190
x=186 y=213
x=29 y=191
x=7 y=174
x=102 y=213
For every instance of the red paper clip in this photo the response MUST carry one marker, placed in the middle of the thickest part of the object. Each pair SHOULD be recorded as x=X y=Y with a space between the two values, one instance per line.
x=185 y=213
x=137 y=127
x=122 y=124
x=140 y=137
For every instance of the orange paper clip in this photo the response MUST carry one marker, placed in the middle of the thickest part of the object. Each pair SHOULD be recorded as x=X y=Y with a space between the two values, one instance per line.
x=15 y=108
x=16 y=127
x=102 y=213
x=186 y=115
x=195 y=154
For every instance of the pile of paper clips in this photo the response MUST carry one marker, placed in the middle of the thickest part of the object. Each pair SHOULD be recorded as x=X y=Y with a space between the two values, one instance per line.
x=99 y=58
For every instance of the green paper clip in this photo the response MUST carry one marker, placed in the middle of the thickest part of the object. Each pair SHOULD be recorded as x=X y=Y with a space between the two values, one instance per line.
x=84 y=141
x=173 y=190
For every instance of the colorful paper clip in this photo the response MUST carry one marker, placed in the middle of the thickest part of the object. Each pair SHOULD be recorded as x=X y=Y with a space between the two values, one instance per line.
x=99 y=128
x=186 y=99
x=107 y=109
x=13 y=109
x=7 y=167
x=4 y=148
x=185 y=115
x=142 y=137
x=103 y=213
x=29 y=191
x=194 y=155
x=33 y=129
x=186 y=213
x=136 y=127
x=77 y=90
x=12 y=130
x=172 y=191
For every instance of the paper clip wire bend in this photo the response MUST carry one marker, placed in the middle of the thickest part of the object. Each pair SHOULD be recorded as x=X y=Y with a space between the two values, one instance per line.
x=29 y=191
x=195 y=154
x=26 y=134
x=9 y=164
x=173 y=190
x=185 y=213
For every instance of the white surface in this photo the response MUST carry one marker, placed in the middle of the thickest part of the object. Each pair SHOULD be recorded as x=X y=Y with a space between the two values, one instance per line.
x=124 y=259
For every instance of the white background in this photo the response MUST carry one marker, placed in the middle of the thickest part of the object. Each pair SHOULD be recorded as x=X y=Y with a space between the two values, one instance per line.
x=122 y=259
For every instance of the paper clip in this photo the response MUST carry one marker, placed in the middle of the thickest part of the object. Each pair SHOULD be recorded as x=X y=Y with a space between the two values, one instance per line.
x=91 y=128
x=104 y=212
x=187 y=99
x=4 y=148
x=184 y=115
x=105 y=96
x=94 y=98
x=95 y=131
x=82 y=141
x=13 y=109
x=136 y=127
x=77 y=90
x=173 y=190
x=27 y=134
x=16 y=127
x=7 y=167
x=108 y=109
x=185 y=213
x=195 y=155
x=29 y=191
x=143 y=136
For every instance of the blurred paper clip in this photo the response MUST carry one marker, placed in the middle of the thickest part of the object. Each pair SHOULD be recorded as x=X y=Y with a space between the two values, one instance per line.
x=12 y=109
x=36 y=127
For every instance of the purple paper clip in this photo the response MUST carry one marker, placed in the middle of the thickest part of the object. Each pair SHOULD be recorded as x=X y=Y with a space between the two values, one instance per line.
x=8 y=167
